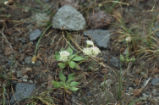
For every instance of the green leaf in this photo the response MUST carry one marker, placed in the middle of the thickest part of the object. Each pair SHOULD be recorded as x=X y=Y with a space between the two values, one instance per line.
x=69 y=50
x=122 y=58
x=74 y=89
x=56 y=84
x=78 y=58
x=72 y=64
x=71 y=77
x=62 y=65
x=74 y=84
x=57 y=56
x=62 y=76
x=72 y=56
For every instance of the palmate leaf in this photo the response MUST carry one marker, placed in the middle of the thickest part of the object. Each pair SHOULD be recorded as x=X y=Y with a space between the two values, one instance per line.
x=62 y=76
x=62 y=65
x=72 y=64
x=74 y=89
x=78 y=58
x=69 y=50
x=74 y=84
x=72 y=56
x=56 y=84
x=70 y=77
x=57 y=56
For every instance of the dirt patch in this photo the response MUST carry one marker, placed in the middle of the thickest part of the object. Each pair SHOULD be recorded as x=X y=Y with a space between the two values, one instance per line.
x=134 y=81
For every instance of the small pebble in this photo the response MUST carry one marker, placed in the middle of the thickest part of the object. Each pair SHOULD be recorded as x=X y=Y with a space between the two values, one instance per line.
x=115 y=62
x=34 y=35
x=22 y=91
x=28 y=59
x=155 y=81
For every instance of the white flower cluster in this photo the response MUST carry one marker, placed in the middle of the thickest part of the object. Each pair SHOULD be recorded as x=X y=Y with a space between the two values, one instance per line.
x=89 y=43
x=6 y=3
x=64 y=56
x=128 y=39
x=91 y=51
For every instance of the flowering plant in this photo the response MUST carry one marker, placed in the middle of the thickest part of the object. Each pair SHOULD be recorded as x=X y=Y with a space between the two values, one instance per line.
x=89 y=43
x=67 y=83
x=91 y=50
x=67 y=57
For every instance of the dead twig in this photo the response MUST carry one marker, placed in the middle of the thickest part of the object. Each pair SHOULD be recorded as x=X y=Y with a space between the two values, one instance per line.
x=95 y=59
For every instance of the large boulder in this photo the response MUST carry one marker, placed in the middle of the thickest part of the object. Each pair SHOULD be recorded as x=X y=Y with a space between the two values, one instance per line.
x=68 y=18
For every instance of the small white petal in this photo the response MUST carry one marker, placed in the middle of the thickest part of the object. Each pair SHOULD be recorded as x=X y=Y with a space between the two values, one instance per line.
x=64 y=55
x=89 y=42
x=87 y=51
x=6 y=2
x=91 y=51
x=128 y=39
x=95 y=51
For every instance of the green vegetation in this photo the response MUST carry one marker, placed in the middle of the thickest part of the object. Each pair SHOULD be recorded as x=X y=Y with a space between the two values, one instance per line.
x=66 y=84
x=135 y=44
x=68 y=58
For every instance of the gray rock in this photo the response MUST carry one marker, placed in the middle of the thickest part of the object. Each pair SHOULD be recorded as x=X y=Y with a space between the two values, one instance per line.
x=28 y=60
x=111 y=60
x=155 y=81
x=34 y=35
x=68 y=18
x=23 y=91
x=115 y=62
x=101 y=37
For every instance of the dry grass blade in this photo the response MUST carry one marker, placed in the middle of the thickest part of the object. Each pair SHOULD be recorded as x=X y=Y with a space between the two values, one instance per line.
x=7 y=41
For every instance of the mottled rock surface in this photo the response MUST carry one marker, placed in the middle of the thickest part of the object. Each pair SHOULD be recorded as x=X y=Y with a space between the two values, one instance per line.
x=34 y=35
x=99 y=19
x=155 y=81
x=68 y=18
x=22 y=91
x=101 y=37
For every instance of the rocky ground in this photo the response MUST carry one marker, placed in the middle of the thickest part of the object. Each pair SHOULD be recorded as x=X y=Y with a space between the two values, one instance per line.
x=126 y=72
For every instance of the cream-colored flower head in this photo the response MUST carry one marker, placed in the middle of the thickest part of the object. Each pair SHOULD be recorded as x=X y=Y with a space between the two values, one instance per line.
x=64 y=56
x=91 y=51
x=6 y=3
x=128 y=39
x=87 y=51
x=95 y=51
x=89 y=43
